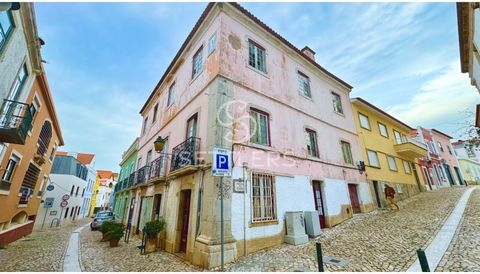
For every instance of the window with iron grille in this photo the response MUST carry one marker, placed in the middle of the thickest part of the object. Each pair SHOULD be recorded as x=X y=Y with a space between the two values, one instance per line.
x=263 y=198
x=312 y=147
x=197 y=62
x=44 y=139
x=304 y=84
x=256 y=56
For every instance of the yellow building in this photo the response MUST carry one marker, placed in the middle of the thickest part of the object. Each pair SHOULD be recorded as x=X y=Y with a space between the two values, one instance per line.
x=93 y=201
x=389 y=153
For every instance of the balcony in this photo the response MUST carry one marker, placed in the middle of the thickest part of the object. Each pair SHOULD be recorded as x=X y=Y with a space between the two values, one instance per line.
x=25 y=192
x=184 y=156
x=411 y=148
x=158 y=168
x=15 y=122
x=142 y=175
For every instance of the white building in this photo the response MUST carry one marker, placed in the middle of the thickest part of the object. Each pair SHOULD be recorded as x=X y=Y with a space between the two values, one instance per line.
x=68 y=178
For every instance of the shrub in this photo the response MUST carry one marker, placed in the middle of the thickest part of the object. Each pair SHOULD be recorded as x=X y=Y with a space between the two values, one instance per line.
x=115 y=231
x=152 y=228
x=105 y=227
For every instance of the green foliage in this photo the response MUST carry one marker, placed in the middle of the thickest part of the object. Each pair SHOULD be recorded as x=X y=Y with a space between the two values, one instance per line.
x=105 y=227
x=3 y=246
x=152 y=228
x=115 y=231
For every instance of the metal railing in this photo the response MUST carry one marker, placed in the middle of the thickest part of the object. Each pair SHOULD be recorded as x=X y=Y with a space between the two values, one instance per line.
x=405 y=140
x=158 y=167
x=142 y=174
x=185 y=154
x=16 y=116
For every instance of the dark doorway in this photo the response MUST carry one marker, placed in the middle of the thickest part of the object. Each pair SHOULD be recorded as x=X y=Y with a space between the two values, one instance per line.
x=157 y=201
x=185 y=215
x=459 y=176
x=377 y=193
x=317 y=196
x=352 y=189
x=449 y=174
x=417 y=179
x=139 y=216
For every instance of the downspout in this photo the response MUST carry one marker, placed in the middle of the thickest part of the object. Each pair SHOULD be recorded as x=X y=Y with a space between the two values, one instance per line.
x=199 y=204
x=244 y=213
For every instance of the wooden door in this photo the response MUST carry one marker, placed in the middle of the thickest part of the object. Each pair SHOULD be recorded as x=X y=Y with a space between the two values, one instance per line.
x=185 y=220
x=352 y=189
x=317 y=196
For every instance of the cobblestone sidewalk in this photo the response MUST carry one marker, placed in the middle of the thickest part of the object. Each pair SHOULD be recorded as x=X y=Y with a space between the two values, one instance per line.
x=45 y=250
x=99 y=256
x=377 y=241
x=463 y=255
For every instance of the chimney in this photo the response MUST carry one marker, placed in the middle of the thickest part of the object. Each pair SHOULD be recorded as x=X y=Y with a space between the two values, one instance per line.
x=309 y=52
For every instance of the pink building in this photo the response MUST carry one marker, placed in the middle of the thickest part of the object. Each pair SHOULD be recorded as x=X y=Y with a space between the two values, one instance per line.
x=447 y=156
x=237 y=84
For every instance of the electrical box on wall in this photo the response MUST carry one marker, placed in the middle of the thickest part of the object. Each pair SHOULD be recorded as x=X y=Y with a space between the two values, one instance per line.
x=295 y=228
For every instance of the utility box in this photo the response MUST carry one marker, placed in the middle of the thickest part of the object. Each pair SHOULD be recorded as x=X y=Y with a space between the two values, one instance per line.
x=295 y=228
x=312 y=224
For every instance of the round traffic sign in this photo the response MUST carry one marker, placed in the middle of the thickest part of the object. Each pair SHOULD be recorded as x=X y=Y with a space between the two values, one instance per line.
x=63 y=203
x=50 y=187
x=65 y=197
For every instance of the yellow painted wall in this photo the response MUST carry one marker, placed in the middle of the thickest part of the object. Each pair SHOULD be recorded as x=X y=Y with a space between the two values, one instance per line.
x=372 y=140
x=93 y=201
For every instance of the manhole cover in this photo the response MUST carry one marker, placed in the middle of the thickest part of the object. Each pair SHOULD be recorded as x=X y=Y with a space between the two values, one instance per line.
x=335 y=261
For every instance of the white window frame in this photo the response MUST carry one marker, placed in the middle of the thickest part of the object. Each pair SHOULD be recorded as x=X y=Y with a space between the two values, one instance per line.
x=212 y=43
x=389 y=157
x=197 y=56
x=399 y=188
x=263 y=191
x=256 y=48
x=405 y=165
x=397 y=140
x=376 y=158
x=335 y=107
x=301 y=79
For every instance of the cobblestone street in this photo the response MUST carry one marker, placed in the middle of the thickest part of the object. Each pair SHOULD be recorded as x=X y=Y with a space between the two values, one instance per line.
x=378 y=241
x=98 y=256
x=45 y=248
x=463 y=255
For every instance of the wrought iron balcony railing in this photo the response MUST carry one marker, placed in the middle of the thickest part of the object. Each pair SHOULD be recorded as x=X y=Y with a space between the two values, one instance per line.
x=142 y=175
x=15 y=122
x=185 y=154
x=131 y=179
x=158 y=167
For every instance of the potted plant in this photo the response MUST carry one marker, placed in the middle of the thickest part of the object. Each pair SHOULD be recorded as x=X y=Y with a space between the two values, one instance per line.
x=104 y=228
x=115 y=233
x=152 y=229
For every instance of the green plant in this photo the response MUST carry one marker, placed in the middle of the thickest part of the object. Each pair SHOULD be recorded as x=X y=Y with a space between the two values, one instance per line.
x=115 y=231
x=105 y=227
x=152 y=228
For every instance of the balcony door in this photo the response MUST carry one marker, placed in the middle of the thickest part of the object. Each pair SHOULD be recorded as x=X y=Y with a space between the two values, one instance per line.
x=317 y=196
x=192 y=127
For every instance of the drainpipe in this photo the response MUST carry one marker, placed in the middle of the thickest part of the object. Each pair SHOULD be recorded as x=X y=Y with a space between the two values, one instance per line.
x=199 y=204
x=244 y=213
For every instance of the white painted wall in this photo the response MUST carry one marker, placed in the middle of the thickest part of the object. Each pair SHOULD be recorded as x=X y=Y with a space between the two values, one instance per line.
x=335 y=193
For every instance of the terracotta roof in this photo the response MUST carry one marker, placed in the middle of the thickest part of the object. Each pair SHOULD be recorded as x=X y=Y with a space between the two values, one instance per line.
x=254 y=19
x=441 y=133
x=85 y=158
x=61 y=153
x=104 y=174
x=381 y=111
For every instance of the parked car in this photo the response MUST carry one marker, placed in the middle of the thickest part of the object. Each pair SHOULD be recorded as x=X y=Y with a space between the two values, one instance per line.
x=101 y=217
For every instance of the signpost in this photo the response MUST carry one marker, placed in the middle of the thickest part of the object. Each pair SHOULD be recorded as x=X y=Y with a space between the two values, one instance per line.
x=50 y=187
x=222 y=159
x=65 y=197
x=64 y=204
x=48 y=203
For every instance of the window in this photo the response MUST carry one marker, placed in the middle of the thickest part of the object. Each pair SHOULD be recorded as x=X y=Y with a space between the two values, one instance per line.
x=373 y=158
x=52 y=153
x=71 y=191
x=29 y=183
x=364 y=122
x=392 y=164
x=76 y=192
x=19 y=80
x=44 y=139
x=171 y=95
x=398 y=137
x=9 y=170
x=212 y=43
x=197 y=63
x=6 y=27
x=449 y=149
x=347 y=153
x=263 y=198
x=399 y=188
x=440 y=146
x=406 y=167
x=149 y=158
x=259 y=127
x=304 y=84
x=383 y=130
x=145 y=125
x=155 y=111
x=34 y=107
x=337 y=104
x=256 y=56
x=311 y=137
x=139 y=162
x=192 y=126
x=83 y=192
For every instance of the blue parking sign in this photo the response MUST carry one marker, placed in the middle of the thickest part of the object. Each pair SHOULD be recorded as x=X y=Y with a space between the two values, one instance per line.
x=221 y=162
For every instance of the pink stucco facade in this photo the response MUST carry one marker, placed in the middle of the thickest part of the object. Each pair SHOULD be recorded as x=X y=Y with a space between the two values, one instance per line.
x=447 y=157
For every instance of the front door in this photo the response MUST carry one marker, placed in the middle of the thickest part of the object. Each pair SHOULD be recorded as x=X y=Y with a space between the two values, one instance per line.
x=317 y=196
x=427 y=177
x=377 y=193
x=185 y=220
x=139 y=216
x=352 y=189
x=449 y=174
x=457 y=171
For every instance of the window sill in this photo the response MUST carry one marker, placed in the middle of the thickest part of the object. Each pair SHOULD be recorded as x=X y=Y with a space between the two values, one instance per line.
x=264 y=74
x=304 y=96
x=263 y=223
x=5 y=192
x=339 y=113
x=22 y=205
x=259 y=146
x=377 y=167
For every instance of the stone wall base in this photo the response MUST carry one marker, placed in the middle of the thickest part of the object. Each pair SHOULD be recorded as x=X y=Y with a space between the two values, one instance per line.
x=209 y=256
x=345 y=213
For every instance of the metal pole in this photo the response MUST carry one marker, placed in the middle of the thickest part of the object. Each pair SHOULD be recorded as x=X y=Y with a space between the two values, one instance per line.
x=423 y=260
x=221 y=223
x=44 y=217
x=319 y=257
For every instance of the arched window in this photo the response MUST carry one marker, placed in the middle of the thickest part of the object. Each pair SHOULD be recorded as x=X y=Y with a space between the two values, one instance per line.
x=44 y=139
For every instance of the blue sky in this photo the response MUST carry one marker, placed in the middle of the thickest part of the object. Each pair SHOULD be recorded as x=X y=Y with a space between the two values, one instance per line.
x=104 y=59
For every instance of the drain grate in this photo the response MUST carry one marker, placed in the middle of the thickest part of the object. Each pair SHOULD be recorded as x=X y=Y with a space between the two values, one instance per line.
x=335 y=261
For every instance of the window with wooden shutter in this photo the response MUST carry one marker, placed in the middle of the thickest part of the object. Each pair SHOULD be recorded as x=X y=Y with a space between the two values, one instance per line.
x=29 y=182
x=44 y=139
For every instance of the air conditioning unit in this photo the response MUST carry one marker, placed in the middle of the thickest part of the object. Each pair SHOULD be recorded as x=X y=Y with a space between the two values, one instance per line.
x=361 y=165
x=295 y=228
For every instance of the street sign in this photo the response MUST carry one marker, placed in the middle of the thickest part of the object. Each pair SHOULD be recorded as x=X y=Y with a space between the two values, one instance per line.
x=222 y=162
x=48 y=203
x=64 y=203
x=50 y=187
x=65 y=197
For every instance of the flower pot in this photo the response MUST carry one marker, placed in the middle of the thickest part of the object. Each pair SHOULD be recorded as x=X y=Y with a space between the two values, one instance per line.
x=104 y=237
x=114 y=242
x=151 y=245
